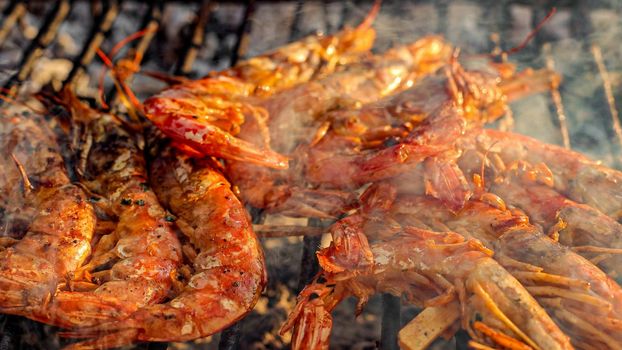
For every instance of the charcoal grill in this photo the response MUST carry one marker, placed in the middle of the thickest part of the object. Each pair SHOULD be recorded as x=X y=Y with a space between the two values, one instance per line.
x=582 y=29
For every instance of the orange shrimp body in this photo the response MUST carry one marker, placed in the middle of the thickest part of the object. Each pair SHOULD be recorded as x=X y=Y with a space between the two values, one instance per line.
x=425 y=120
x=574 y=175
x=532 y=188
x=58 y=237
x=295 y=115
x=420 y=264
x=136 y=264
x=205 y=114
x=568 y=285
x=227 y=270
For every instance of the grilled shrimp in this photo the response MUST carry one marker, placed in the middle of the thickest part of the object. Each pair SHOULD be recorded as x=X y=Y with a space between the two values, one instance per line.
x=295 y=114
x=227 y=270
x=431 y=269
x=529 y=187
x=573 y=174
x=205 y=114
x=136 y=264
x=586 y=230
x=427 y=120
x=58 y=237
x=569 y=286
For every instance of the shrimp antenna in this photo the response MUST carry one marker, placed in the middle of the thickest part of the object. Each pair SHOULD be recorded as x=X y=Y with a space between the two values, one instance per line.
x=27 y=186
x=121 y=87
x=8 y=96
x=107 y=59
x=371 y=16
x=531 y=34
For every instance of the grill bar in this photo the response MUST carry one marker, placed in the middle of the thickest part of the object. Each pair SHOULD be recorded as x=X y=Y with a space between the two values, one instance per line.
x=345 y=14
x=271 y=231
x=442 y=11
x=391 y=321
x=230 y=338
x=150 y=23
x=308 y=261
x=14 y=11
x=241 y=46
x=98 y=33
x=611 y=102
x=46 y=35
x=294 y=32
x=556 y=98
x=198 y=35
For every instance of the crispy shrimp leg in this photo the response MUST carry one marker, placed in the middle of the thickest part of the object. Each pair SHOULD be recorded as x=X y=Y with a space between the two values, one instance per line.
x=228 y=271
x=134 y=265
x=58 y=237
x=437 y=268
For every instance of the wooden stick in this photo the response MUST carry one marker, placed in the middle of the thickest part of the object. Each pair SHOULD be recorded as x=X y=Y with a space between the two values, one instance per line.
x=419 y=333
x=271 y=231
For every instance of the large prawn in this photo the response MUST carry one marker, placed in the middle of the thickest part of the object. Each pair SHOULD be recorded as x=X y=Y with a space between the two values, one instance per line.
x=58 y=238
x=568 y=285
x=532 y=188
x=432 y=270
x=227 y=271
x=573 y=174
x=206 y=114
x=296 y=118
x=136 y=264
x=423 y=123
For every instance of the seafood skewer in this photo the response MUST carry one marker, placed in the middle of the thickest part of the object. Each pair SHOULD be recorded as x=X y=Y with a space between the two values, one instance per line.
x=227 y=271
x=58 y=238
x=432 y=269
x=136 y=264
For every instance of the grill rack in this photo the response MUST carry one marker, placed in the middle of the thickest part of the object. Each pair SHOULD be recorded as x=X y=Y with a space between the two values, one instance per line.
x=580 y=26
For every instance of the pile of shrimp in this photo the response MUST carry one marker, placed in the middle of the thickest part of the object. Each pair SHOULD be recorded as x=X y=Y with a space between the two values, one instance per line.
x=131 y=231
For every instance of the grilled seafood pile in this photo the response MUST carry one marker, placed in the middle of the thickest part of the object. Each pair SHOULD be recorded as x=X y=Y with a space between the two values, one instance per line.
x=137 y=230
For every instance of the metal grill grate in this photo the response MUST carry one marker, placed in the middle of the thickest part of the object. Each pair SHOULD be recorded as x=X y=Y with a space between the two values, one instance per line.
x=500 y=17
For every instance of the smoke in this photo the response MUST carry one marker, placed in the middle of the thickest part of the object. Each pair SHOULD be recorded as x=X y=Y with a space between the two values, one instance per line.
x=467 y=25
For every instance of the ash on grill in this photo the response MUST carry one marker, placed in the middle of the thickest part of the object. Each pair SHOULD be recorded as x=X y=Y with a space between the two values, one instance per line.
x=581 y=42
